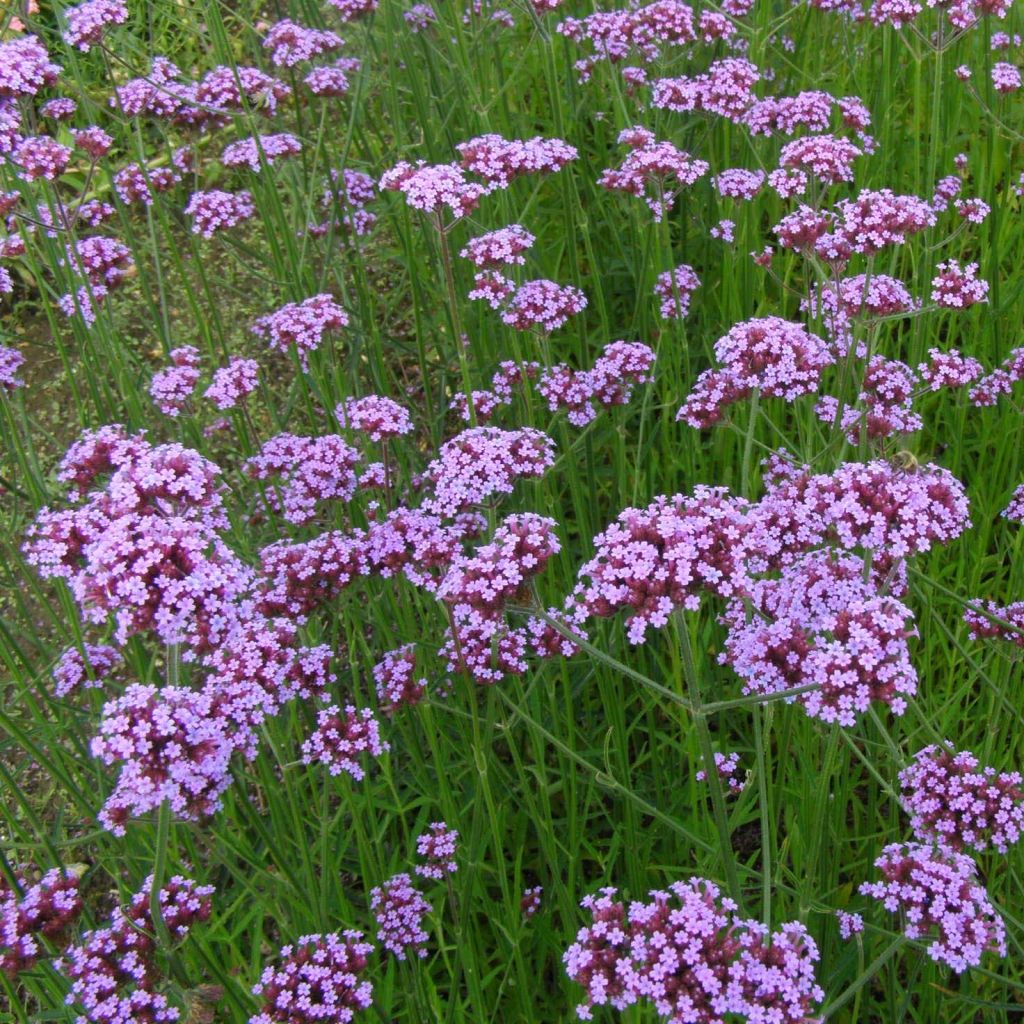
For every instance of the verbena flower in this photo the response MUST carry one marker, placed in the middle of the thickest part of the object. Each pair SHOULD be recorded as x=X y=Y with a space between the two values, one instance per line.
x=399 y=908
x=88 y=22
x=397 y=686
x=42 y=910
x=217 y=210
x=302 y=326
x=290 y=43
x=341 y=738
x=938 y=896
x=498 y=160
x=89 y=670
x=317 y=980
x=232 y=383
x=253 y=152
x=437 y=846
x=728 y=768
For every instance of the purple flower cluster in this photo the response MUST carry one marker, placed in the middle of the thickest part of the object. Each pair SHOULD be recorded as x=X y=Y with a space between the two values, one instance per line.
x=725 y=90
x=11 y=361
x=113 y=971
x=689 y=955
x=341 y=737
x=499 y=248
x=25 y=67
x=135 y=185
x=399 y=908
x=938 y=895
x=348 y=192
x=542 y=304
x=172 y=387
x=88 y=22
x=43 y=910
x=437 y=847
x=301 y=325
x=397 y=686
x=376 y=416
x=984 y=628
x=306 y=471
x=258 y=150
x=232 y=383
x=216 y=210
x=958 y=287
x=648 y=168
x=499 y=160
x=290 y=43
x=433 y=188
x=318 y=980
x=89 y=670
x=674 y=288
x=770 y=355
x=952 y=800
x=621 y=366
x=728 y=768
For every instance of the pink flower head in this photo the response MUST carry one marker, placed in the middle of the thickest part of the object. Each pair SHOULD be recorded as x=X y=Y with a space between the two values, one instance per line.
x=88 y=22
x=543 y=304
x=399 y=908
x=253 y=152
x=291 y=43
x=396 y=686
x=380 y=418
x=232 y=383
x=25 y=67
x=499 y=248
x=341 y=738
x=433 y=188
x=437 y=847
x=728 y=768
x=498 y=160
x=647 y=172
x=215 y=210
x=958 y=287
x=301 y=325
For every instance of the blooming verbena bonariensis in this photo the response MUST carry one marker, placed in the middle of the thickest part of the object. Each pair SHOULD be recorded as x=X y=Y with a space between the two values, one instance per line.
x=172 y=387
x=950 y=369
x=39 y=156
x=726 y=90
x=819 y=624
x=1005 y=77
x=258 y=150
x=531 y=899
x=433 y=188
x=420 y=17
x=884 y=403
x=828 y=157
x=397 y=686
x=232 y=88
x=739 y=183
x=113 y=970
x=232 y=383
x=621 y=366
x=87 y=22
x=543 y=305
x=11 y=361
x=437 y=846
x=498 y=248
x=654 y=171
x=135 y=185
x=352 y=9
x=378 y=417
x=216 y=210
x=849 y=924
x=1000 y=381
x=937 y=893
x=855 y=298
x=341 y=737
x=330 y=81
x=89 y=670
x=1011 y=629
x=483 y=462
x=306 y=471
x=652 y=561
x=688 y=953
x=290 y=43
x=509 y=375
x=952 y=799
x=45 y=909
x=399 y=908
x=774 y=356
x=958 y=287
x=348 y=192
x=674 y=288
x=171 y=747
x=318 y=980
x=301 y=325
x=728 y=768
x=499 y=160
x=25 y=67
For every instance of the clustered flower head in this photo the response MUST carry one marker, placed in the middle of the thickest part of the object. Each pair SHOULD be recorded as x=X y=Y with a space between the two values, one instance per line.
x=482 y=463
x=33 y=911
x=397 y=686
x=774 y=356
x=649 y=168
x=689 y=955
x=1010 y=629
x=499 y=248
x=25 y=67
x=434 y=188
x=376 y=416
x=76 y=670
x=940 y=900
x=290 y=43
x=499 y=160
x=728 y=768
x=543 y=304
x=254 y=151
x=437 y=846
x=887 y=391
x=341 y=737
x=306 y=471
x=215 y=210
x=232 y=383
x=621 y=366
x=317 y=980
x=88 y=22
x=950 y=369
x=172 y=387
x=958 y=287
x=113 y=970
x=11 y=361
x=725 y=90
x=953 y=800
x=674 y=288
x=301 y=326
x=399 y=908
